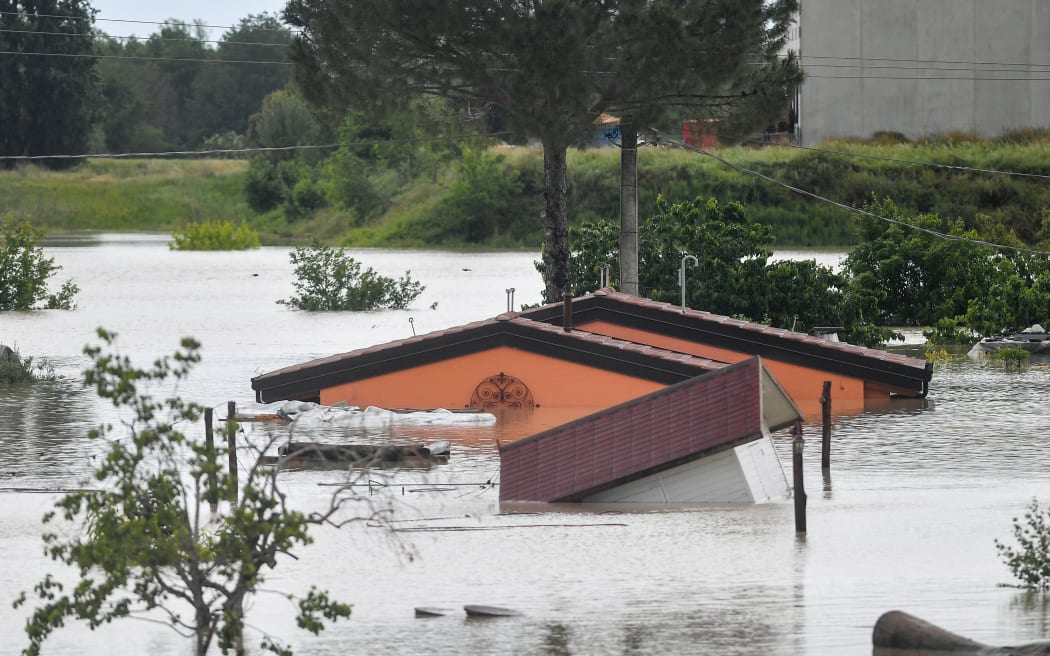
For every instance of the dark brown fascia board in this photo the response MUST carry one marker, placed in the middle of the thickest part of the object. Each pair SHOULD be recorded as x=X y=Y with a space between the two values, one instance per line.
x=308 y=380
x=713 y=333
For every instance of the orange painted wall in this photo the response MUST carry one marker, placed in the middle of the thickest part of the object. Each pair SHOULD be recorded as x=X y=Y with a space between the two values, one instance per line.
x=450 y=383
x=803 y=384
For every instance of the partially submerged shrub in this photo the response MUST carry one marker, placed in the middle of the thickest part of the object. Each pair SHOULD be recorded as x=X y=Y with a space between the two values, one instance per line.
x=214 y=236
x=329 y=279
x=949 y=331
x=24 y=271
x=16 y=370
x=1012 y=358
x=1029 y=561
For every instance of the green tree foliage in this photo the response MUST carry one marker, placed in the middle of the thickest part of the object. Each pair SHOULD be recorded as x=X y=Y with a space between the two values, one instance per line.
x=46 y=102
x=225 y=95
x=382 y=154
x=148 y=86
x=173 y=90
x=145 y=538
x=214 y=236
x=924 y=279
x=1029 y=560
x=327 y=279
x=550 y=67
x=285 y=120
x=128 y=107
x=482 y=205
x=16 y=370
x=25 y=271
x=732 y=276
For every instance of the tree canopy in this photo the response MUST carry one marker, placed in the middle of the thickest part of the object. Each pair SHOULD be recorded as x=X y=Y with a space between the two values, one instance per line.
x=48 y=83
x=550 y=68
x=144 y=539
x=172 y=90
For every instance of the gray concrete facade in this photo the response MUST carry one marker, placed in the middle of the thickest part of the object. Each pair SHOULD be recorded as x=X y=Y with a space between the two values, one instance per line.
x=922 y=67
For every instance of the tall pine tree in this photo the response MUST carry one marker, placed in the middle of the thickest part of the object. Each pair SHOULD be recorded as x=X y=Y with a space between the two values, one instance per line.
x=550 y=67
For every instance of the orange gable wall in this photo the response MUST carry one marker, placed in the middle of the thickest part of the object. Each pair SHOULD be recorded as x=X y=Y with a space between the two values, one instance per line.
x=450 y=383
x=803 y=384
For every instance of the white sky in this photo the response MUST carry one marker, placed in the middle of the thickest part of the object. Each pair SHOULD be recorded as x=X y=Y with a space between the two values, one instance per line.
x=213 y=12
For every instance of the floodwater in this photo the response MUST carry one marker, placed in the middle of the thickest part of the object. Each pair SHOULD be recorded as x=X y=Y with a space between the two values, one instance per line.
x=918 y=493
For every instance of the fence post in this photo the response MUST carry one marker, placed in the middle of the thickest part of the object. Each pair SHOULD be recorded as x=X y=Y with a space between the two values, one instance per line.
x=209 y=444
x=231 y=445
x=799 y=488
x=825 y=413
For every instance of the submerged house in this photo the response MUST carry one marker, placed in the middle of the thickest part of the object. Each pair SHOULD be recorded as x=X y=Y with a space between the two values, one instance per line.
x=610 y=397
x=505 y=363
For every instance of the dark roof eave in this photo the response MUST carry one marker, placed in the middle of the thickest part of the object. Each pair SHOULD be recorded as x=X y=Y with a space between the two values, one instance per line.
x=612 y=355
x=658 y=317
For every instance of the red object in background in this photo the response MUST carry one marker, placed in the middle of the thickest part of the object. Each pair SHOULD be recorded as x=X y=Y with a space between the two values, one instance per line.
x=702 y=133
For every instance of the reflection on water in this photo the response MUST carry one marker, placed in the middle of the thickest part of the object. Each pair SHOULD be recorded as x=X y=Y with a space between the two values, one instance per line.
x=918 y=490
x=45 y=432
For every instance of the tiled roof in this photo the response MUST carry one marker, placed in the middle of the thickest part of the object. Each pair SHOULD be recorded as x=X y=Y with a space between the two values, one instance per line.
x=509 y=329
x=891 y=369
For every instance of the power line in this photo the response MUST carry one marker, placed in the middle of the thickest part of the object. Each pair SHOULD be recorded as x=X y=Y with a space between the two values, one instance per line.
x=849 y=208
x=154 y=37
x=917 y=61
x=926 y=78
x=141 y=22
x=201 y=60
x=266 y=149
x=968 y=169
x=938 y=69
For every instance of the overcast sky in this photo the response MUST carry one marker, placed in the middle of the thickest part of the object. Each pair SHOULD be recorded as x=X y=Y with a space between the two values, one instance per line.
x=221 y=13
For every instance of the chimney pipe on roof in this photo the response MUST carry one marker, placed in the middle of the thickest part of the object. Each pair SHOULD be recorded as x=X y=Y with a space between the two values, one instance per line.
x=566 y=311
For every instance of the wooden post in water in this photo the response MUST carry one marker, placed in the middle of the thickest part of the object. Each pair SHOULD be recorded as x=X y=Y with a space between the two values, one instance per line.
x=799 y=488
x=825 y=414
x=209 y=444
x=231 y=444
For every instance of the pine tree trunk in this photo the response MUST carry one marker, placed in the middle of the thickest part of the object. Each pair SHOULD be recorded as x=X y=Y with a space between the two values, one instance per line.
x=555 y=217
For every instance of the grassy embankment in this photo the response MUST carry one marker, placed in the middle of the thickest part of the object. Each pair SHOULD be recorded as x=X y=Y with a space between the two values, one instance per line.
x=159 y=195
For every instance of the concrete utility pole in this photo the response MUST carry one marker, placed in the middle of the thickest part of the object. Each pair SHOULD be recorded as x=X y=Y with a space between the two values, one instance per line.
x=628 y=206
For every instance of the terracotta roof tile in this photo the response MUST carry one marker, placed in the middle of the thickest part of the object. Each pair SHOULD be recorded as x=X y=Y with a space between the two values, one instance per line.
x=756 y=327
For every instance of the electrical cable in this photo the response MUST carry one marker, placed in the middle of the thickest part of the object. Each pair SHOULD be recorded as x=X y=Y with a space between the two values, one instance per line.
x=151 y=38
x=967 y=169
x=141 y=22
x=848 y=208
x=916 y=61
x=929 y=78
x=201 y=60
x=261 y=149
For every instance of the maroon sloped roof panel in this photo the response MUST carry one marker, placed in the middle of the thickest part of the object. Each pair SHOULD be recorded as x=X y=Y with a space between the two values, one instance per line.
x=658 y=431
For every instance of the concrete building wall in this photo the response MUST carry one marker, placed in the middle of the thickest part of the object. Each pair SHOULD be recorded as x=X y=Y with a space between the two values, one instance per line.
x=923 y=67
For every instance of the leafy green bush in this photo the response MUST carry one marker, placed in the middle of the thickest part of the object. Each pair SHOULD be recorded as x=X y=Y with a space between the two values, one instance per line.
x=329 y=279
x=14 y=369
x=484 y=202
x=949 y=331
x=144 y=539
x=214 y=236
x=24 y=271
x=1012 y=358
x=1029 y=561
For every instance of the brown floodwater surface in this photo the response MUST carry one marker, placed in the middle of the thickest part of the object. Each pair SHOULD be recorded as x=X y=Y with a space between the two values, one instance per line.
x=917 y=496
